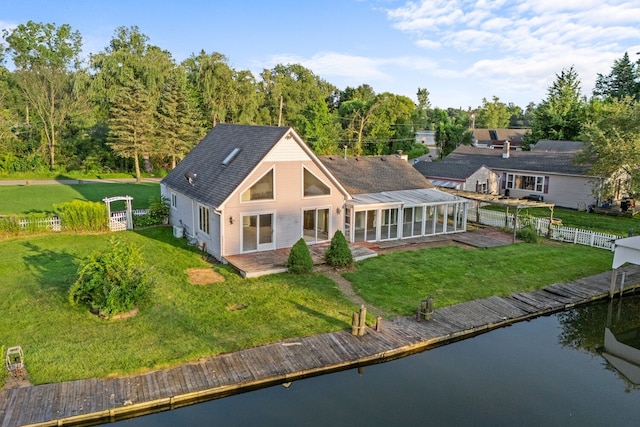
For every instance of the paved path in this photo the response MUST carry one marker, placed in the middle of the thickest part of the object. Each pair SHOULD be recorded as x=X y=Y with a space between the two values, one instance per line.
x=101 y=400
x=24 y=182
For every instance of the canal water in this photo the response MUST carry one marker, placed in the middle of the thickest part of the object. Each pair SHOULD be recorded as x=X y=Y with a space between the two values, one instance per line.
x=550 y=371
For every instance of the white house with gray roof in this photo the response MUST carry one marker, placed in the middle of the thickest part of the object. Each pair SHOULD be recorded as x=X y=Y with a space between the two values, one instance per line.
x=246 y=189
x=548 y=171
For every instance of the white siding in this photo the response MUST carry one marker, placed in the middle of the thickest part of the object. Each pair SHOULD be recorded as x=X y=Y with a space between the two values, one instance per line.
x=287 y=150
x=482 y=175
x=287 y=206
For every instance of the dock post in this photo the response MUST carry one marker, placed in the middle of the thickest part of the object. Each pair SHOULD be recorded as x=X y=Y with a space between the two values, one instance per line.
x=358 y=321
x=378 y=324
x=614 y=276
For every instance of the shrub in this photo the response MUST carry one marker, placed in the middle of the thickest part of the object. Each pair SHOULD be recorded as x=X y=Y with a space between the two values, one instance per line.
x=80 y=215
x=339 y=255
x=527 y=234
x=111 y=282
x=157 y=214
x=300 y=260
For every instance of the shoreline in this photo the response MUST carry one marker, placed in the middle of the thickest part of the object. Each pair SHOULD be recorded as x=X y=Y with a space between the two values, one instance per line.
x=94 y=401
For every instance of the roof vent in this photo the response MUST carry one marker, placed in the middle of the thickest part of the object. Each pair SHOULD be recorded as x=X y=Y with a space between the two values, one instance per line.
x=232 y=155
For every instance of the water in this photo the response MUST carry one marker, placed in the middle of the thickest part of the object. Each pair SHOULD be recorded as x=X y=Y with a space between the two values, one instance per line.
x=548 y=371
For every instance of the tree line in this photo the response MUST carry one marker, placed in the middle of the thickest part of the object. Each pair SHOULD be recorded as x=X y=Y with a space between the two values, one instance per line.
x=132 y=108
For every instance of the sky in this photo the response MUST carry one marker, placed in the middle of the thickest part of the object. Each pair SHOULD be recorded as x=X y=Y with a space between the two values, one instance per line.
x=461 y=51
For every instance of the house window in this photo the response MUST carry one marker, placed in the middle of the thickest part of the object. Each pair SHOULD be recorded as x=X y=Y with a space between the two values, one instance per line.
x=533 y=183
x=174 y=200
x=313 y=186
x=203 y=219
x=261 y=190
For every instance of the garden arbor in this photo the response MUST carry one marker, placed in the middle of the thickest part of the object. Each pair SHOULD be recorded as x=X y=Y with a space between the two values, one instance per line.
x=117 y=223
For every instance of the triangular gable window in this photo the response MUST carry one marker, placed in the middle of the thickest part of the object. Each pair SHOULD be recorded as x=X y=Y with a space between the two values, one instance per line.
x=313 y=186
x=261 y=190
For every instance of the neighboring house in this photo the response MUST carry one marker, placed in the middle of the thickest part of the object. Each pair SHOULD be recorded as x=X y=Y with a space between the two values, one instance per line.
x=247 y=188
x=428 y=139
x=547 y=171
x=496 y=138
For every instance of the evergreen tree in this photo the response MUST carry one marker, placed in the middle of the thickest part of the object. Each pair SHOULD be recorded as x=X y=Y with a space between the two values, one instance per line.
x=176 y=131
x=130 y=124
x=561 y=115
x=622 y=82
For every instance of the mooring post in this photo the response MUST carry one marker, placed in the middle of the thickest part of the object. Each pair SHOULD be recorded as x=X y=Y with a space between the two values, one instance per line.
x=378 y=324
x=425 y=309
x=355 y=321
x=614 y=274
x=363 y=319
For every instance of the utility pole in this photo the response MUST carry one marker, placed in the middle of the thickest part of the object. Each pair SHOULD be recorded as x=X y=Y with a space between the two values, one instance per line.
x=280 y=115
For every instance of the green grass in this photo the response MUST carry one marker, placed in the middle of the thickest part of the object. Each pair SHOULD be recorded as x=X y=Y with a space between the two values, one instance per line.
x=589 y=221
x=181 y=322
x=41 y=198
x=397 y=282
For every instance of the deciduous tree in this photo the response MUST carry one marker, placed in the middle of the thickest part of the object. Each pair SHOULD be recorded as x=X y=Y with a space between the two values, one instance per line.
x=46 y=57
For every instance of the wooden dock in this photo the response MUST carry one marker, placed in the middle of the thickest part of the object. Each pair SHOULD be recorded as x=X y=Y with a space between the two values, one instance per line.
x=94 y=401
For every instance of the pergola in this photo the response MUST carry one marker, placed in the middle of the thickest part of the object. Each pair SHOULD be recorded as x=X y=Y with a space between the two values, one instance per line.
x=516 y=204
x=625 y=250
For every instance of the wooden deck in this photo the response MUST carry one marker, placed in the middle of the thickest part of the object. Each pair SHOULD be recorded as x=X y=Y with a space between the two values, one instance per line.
x=257 y=264
x=94 y=401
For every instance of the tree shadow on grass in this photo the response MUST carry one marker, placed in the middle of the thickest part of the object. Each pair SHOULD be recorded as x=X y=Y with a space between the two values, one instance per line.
x=53 y=269
x=333 y=321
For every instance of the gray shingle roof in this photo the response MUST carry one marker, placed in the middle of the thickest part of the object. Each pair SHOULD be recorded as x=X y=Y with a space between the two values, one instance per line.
x=465 y=158
x=214 y=182
x=361 y=175
x=558 y=146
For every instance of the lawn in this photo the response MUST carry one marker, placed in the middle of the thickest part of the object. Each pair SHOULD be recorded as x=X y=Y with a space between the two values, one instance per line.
x=183 y=322
x=180 y=323
x=396 y=282
x=41 y=198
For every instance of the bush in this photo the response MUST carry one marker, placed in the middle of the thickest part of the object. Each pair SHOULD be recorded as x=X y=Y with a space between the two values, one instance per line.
x=157 y=214
x=527 y=234
x=339 y=255
x=300 y=260
x=112 y=282
x=80 y=215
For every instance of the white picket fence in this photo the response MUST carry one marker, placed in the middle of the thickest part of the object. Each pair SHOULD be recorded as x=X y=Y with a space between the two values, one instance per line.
x=118 y=221
x=544 y=228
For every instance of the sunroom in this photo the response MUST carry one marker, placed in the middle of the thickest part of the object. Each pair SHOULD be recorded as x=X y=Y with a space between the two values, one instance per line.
x=403 y=214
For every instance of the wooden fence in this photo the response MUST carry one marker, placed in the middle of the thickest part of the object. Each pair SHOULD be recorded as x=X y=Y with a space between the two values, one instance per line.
x=544 y=228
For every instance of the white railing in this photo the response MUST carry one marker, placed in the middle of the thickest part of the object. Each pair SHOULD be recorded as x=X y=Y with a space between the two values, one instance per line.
x=118 y=221
x=544 y=228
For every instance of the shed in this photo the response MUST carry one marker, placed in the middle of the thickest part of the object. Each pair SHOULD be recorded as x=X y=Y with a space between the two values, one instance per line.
x=625 y=250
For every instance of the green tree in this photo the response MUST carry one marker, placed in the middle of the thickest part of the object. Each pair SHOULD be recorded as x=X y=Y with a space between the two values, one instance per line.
x=612 y=134
x=287 y=90
x=452 y=129
x=318 y=128
x=130 y=125
x=213 y=80
x=46 y=57
x=561 y=114
x=176 y=131
x=131 y=62
x=623 y=80
x=492 y=115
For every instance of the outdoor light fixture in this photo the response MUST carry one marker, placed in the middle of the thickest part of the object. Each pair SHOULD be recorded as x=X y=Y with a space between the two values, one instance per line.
x=230 y=220
x=338 y=210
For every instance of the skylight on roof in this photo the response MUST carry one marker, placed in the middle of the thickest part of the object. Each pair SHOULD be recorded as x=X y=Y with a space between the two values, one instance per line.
x=232 y=155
